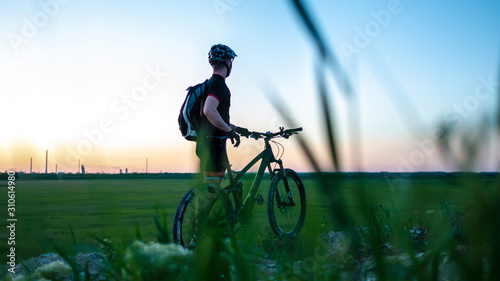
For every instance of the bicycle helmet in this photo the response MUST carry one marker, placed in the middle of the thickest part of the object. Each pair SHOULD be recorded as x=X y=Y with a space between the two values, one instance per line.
x=219 y=53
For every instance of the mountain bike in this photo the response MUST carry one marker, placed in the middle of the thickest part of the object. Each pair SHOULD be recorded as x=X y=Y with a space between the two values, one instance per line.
x=286 y=200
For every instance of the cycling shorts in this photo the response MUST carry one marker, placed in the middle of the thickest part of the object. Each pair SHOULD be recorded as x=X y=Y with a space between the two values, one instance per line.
x=212 y=153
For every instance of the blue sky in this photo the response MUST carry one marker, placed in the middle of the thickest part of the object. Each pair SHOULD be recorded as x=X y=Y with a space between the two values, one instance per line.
x=69 y=66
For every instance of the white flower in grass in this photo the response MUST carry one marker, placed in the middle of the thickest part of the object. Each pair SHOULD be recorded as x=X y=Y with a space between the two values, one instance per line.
x=154 y=259
x=17 y=278
x=24 y=278
x=56 y=270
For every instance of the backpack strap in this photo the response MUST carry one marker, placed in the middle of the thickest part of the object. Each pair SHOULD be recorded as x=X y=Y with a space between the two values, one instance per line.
x=204 y=98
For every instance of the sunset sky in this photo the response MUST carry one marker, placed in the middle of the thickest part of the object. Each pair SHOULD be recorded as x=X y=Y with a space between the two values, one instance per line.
x=101 y=82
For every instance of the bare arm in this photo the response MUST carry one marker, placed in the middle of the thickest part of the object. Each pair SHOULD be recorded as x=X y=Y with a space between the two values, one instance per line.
x=210 y=111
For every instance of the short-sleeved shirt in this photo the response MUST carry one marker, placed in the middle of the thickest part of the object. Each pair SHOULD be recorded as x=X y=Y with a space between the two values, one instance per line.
x=218 y=89
x=212 y=151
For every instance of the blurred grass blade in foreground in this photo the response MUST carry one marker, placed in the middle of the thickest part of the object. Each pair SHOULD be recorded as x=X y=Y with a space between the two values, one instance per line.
x=325 y=53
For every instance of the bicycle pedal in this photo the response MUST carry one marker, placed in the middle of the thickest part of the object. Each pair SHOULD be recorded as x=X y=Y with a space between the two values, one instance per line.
x=260 y=199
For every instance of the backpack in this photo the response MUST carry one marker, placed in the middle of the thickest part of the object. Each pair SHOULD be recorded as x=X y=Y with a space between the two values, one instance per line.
x=192 y=111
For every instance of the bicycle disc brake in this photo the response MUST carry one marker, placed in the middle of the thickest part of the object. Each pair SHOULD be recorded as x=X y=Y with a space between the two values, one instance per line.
x=283 y=204
x=260 y=200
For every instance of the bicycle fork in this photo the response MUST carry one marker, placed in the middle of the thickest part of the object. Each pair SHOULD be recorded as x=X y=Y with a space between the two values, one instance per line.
x=279 y=202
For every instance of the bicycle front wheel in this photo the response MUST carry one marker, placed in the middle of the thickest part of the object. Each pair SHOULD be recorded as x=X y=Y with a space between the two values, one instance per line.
x=286 y=204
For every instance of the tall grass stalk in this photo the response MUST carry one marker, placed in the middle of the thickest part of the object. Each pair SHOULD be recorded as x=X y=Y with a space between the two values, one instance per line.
x=453 y=252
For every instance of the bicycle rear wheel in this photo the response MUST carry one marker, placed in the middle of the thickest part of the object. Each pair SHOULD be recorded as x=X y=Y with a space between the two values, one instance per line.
x=197 y=207
x=185 y=219
x=286 y=204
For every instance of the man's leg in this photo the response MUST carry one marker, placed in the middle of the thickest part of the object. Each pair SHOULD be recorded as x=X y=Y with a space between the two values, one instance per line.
x=215 y=167
x=214 y=177
x=211 y=190
x=212 y=156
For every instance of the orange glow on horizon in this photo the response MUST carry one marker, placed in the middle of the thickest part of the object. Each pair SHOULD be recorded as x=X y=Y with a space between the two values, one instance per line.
x=174 y=158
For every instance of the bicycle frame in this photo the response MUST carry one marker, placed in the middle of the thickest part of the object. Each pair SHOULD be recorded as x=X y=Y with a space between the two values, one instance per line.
x=244 y=210
x=241 y=211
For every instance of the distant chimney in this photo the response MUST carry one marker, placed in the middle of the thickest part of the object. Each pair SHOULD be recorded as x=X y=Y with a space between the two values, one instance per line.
x=46 y=159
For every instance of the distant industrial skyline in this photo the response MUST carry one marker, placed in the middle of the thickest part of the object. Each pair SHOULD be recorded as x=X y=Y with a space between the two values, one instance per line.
x=80 y=169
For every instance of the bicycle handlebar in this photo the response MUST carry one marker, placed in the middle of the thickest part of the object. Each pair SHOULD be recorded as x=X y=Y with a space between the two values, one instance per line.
x=267 y=135
x=282 y=133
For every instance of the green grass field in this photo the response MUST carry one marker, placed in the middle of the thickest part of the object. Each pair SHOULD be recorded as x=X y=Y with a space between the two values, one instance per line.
x=112 y=208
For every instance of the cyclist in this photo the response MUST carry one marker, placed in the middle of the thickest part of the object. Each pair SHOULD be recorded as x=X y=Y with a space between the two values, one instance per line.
x=215 y=123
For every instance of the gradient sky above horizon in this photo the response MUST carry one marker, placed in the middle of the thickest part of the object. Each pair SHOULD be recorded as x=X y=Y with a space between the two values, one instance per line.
x=102 y=81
